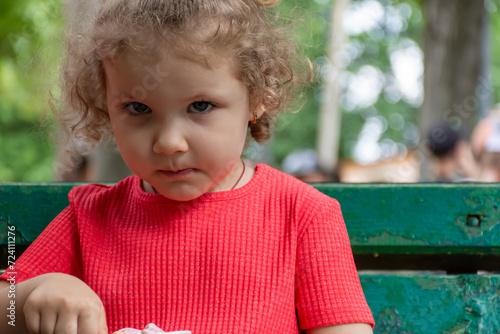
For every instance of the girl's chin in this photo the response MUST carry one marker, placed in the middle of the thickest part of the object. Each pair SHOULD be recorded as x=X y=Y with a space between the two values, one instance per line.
x=182 y=194
x=186 y=188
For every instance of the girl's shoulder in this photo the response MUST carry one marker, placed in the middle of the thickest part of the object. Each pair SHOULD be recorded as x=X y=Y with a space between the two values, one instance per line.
x=283 y=184
x=303 y=201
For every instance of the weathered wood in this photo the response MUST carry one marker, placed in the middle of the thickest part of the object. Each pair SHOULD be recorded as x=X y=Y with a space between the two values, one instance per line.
x=388 y=224
x=454 y=227
x=434 y=303
x=30 y=208
x=452 y=217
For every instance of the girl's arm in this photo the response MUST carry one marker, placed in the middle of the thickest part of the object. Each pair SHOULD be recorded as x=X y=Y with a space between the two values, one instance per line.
x=342 y=329
x=52 y=303
x=328 y=289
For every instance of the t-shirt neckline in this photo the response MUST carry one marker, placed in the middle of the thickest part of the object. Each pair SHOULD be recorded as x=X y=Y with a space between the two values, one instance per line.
x=225 y=195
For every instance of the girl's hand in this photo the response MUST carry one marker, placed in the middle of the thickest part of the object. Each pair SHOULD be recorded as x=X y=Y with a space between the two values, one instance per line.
x=62 y=303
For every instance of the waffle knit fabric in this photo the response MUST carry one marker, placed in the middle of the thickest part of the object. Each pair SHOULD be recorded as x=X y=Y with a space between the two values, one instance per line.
x=238 y=261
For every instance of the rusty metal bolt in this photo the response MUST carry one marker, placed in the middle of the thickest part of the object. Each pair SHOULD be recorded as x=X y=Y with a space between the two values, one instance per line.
x=473 y=220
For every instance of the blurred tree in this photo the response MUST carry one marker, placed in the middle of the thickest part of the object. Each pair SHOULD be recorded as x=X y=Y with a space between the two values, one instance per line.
x=330 y=113
x=454 y=86
x=493 y=8
x=379 y=112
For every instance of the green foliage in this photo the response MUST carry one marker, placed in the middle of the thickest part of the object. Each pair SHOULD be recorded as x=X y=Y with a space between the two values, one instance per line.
x=310 y=28
x=29 y=41
x=377 y=46
x=30 y=34
x=26 y=154
x=300 y=130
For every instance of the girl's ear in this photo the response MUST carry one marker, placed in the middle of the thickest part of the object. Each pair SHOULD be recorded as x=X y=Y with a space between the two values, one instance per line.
x=256 y=113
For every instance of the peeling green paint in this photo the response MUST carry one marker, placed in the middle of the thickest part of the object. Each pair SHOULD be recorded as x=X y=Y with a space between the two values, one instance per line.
x=390 y=321
x=458 y=329
x=434 y=303
x=434 y=214
x=387 y=238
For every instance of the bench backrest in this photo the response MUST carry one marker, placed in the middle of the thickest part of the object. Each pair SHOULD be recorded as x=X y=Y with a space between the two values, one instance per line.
x=450 y=228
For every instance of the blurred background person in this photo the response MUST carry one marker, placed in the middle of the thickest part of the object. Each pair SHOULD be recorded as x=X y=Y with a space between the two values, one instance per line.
x=303 y=164
x=485 y=143
x=451 y=159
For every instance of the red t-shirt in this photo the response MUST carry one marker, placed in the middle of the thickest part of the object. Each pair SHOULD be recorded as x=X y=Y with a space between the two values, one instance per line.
x=236 y=261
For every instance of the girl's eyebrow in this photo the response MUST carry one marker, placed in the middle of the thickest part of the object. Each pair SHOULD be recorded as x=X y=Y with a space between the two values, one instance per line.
x=211 y=97
x=122 y=95
x=118 y=98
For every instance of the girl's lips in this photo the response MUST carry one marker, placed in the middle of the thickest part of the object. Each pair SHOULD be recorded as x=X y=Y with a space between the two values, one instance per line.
x=178 y=174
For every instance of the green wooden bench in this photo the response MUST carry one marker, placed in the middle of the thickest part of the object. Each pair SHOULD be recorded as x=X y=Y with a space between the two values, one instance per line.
x=418 y=248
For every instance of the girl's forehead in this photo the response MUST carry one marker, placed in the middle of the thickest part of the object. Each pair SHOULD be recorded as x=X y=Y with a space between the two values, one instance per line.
x=173 y=79
x=165 y=56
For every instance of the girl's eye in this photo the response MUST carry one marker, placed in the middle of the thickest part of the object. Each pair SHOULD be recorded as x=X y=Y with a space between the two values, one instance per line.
x=137 y=108
x=200 y=107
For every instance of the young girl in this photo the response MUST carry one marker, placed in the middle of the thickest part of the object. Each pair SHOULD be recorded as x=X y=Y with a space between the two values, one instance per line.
x=194 y=240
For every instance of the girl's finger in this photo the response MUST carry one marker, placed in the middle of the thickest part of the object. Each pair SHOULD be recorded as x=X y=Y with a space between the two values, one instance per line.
x=32 y=317
x=103 y=326
x=88 y=323
x=47 y=322
x=67 y=323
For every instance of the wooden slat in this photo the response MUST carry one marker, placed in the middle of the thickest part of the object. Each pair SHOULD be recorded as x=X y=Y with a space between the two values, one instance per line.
x=438 y=216
x=30 y=208
x=377 y=216
x=434 y=303
x=420 y=218
x=452 y=227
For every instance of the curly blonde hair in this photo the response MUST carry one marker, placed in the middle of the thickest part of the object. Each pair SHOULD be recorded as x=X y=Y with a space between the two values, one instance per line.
x=267 y=62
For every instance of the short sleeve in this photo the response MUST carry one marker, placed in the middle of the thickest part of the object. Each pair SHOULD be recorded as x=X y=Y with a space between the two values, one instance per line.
x=328 y=290
x=57 y=249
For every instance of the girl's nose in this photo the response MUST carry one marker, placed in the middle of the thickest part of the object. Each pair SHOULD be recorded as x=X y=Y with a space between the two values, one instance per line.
x=170 y=139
